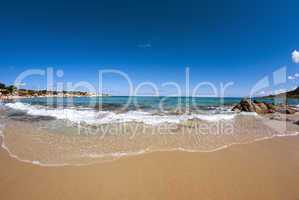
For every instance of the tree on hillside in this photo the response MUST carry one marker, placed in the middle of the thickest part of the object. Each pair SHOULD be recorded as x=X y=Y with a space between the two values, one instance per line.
x=2 y=86
x=11 y=89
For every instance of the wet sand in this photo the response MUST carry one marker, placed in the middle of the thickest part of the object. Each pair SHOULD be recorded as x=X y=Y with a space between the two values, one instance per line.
x=266 y=169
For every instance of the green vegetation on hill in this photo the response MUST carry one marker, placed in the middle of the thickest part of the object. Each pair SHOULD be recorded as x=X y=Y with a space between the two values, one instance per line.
x=12 y=90
x=290 y=94
x=7 y=90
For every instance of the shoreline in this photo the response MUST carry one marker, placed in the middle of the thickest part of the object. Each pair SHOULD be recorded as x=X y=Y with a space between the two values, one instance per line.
x=119 y=155
x=19 y=135
x=238 y=172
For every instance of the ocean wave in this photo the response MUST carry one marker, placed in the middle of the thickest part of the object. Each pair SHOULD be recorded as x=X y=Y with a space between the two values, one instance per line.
x=249 y=113
x=118 y=154
x=93 y=117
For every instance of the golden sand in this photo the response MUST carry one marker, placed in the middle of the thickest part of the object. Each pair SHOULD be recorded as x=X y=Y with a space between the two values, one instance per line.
x=262 y=170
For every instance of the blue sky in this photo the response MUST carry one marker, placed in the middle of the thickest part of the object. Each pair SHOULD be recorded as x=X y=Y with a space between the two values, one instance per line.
x=220 y=41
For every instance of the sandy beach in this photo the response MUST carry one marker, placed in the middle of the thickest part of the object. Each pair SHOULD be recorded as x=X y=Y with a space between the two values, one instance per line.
x=262 y=170
x=149 y=100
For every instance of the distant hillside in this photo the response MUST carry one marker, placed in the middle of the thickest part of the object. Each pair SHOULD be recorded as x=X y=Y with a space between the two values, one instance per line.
x=289 y=94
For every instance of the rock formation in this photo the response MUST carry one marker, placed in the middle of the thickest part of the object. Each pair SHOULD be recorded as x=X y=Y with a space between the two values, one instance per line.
x=247 y=105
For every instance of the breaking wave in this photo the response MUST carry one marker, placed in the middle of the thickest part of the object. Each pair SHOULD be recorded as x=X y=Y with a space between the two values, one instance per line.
x=92 y=117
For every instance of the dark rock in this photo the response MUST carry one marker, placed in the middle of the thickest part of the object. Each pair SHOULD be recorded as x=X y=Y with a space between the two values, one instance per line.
x=258 y=109
x=246 y=105
x=271 y=111
x=279 y=117
x=262 y=106
x=237 y=108
x=286 y=110
x=270 y=106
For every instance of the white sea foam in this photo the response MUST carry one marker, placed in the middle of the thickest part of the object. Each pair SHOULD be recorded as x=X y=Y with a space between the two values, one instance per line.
x=106 y=117
x=249 y=113
x=122 y=154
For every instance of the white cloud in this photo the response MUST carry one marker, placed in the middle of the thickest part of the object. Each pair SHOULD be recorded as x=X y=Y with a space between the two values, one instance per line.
x=295 y=56
x=145 y=45
x=295 y=76
x=291 y=77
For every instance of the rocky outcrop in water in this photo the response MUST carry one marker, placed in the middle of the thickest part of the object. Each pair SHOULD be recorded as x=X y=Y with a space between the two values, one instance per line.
x=247 y=105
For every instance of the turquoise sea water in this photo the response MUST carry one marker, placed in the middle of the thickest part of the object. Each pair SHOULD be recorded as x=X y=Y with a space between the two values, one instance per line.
x=144 y=103
x=132 y=103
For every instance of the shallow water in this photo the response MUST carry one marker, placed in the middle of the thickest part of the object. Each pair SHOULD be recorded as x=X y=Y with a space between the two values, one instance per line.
x=41 y=132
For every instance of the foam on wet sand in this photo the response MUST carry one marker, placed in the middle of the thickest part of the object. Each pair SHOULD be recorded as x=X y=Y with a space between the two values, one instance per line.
x=262 y=170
